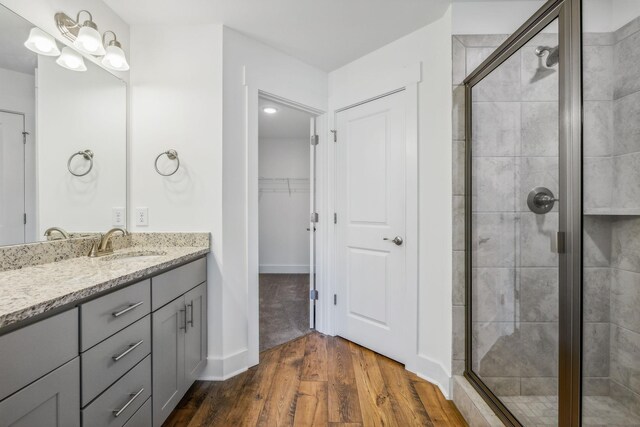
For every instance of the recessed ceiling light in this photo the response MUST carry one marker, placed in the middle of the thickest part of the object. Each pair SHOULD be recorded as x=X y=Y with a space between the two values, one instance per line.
x=270 y=110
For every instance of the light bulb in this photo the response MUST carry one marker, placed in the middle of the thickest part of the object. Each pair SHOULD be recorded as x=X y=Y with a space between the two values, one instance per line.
x=114 y=59
x=71 y=60
x=89 y=40
x=270 y=110
x=41 y=43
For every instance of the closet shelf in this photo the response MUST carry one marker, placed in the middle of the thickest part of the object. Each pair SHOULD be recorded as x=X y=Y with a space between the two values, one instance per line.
x=284 y=185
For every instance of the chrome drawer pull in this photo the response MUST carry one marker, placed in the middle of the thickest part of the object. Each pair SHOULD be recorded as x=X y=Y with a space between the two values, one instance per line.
x=127 y=351
x=191 y=321
x=131 y=307
x=134 y=396
x=184 y=311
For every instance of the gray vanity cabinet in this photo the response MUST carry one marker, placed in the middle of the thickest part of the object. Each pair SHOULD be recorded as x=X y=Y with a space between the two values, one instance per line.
x=51 y=401
x=168 y=359
x=179 y=335
x=195 y=354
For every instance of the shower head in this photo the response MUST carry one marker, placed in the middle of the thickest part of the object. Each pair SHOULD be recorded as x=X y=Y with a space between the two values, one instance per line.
x=553 y=56
x=545 y=67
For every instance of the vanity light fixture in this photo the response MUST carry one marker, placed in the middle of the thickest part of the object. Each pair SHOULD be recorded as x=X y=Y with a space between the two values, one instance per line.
x=114 y=58
x=41 y=43
x=270 y=110
x=71 y=60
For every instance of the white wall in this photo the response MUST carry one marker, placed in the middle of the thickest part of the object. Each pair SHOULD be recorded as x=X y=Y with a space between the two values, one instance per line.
x=79 y=111
x=250 y=66
x=431 y=46
x=284 y=217
x=176 y=99
x=41 y=13
x=18 y=93
x=491 y=17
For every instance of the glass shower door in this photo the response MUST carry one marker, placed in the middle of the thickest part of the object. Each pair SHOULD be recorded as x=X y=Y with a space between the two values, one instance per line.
x=513 y=220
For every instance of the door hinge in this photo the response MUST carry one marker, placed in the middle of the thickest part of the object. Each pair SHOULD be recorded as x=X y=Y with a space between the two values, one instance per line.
x=335 y=135
x=335 y=218
x=24 y=218
x=314 y=217
x=335 y=299
x=313 y=295
x=24 y=137
x=314 y=139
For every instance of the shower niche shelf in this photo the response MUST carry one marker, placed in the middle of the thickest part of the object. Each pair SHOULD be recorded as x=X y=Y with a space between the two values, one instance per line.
x=612 y=212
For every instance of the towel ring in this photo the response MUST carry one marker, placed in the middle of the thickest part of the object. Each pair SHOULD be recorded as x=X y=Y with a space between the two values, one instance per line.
x=172 y=155
x=88 y=155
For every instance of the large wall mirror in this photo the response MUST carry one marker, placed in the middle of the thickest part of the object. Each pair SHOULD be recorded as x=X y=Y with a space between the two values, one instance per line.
x=63 y=142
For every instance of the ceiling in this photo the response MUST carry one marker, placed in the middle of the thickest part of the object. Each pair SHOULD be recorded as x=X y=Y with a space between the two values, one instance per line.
x=14 y=31
x=286 y=123
x=323 y=33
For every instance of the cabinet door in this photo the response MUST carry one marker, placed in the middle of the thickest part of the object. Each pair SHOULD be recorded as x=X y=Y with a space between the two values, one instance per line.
x=168 y=358
x=196 y=334
x=51 y=401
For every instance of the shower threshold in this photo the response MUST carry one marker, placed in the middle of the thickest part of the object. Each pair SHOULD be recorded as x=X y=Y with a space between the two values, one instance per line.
x=599 y=411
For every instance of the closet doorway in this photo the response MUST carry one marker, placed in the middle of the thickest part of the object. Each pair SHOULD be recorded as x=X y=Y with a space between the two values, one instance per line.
x=286 y=167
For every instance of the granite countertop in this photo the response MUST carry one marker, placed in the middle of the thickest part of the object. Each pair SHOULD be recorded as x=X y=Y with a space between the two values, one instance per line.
x=31 y=291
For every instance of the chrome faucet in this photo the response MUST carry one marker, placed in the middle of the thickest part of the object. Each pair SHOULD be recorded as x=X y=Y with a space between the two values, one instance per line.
x=105 y=246
x=52 y=230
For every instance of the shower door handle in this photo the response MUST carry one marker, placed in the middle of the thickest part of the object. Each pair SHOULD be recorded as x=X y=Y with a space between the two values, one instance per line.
x=558 y=242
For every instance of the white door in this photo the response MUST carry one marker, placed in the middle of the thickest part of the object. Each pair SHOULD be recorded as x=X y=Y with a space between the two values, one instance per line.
x=371 y=288
x=11 y=178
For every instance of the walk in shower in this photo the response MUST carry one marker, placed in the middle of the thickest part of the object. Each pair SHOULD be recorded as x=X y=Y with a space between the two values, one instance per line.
x=553 y=217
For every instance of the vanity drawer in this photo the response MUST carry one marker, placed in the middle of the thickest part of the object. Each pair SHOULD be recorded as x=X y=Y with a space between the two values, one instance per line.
x=106 y=315
x=116 y=405
x=100 y=368
x=35 y=350
x=170 y=285
x=142 y=418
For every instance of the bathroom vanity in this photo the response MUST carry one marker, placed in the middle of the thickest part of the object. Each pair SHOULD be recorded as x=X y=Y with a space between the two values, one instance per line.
x=109 y=341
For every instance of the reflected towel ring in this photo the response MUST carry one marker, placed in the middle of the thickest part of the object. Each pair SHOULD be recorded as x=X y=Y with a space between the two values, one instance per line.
x=172 y=155
x=88 y=155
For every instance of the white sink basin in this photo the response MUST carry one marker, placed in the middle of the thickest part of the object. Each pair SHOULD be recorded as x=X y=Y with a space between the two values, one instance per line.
x=134 y=256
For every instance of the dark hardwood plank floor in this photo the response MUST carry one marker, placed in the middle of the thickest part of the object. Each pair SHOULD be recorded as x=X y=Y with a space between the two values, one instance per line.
x=317 y=380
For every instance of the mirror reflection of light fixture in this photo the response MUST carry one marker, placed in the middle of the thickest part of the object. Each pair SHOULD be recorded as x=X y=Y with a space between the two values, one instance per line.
x=41 y=43
x=270 y=110
x=114 y=58
x=88 y=40
x=71 y=60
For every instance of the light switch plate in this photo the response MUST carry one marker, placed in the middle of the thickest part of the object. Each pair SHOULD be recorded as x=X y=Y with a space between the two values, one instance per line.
x=142 y=216
x=118 y=217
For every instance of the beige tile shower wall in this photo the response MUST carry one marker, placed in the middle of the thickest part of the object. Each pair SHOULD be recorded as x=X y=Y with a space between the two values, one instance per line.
x=515 y=274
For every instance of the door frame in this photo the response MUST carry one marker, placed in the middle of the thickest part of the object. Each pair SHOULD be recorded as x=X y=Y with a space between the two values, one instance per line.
x=24 y=169
x=253 y=93
x=568 y=14
x=404 y=79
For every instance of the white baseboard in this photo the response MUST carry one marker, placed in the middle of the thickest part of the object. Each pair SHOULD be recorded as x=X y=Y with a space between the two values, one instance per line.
x=284 y=269
x=435 y=373
x=223 y=368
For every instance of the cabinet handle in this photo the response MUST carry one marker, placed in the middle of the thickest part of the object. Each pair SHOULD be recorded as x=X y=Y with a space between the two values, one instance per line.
x=191 y=321
x=134 y=396
x=184 y=311
x=127 y=351
x=126 y=310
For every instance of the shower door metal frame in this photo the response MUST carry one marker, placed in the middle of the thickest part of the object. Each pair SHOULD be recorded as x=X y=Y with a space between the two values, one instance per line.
x=568 y=13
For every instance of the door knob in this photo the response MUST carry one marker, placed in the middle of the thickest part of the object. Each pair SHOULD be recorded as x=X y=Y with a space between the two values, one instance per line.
x=397 y=240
